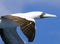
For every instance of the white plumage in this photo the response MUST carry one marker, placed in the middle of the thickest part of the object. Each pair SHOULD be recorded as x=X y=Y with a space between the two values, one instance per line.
x=31 y=15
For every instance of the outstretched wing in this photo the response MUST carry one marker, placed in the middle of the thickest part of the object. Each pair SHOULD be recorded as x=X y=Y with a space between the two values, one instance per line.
x=28 y=27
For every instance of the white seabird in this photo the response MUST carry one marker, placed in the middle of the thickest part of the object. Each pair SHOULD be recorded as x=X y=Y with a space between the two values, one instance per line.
x=27 y=21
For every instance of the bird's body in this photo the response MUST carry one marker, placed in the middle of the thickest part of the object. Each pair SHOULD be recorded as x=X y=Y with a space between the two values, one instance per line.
x=27 y=21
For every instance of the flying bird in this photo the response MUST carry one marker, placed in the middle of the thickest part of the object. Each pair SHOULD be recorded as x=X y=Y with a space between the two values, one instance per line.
x=27 y=21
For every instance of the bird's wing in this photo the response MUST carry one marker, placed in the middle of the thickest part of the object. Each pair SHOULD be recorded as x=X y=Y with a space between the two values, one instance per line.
x=28 y=27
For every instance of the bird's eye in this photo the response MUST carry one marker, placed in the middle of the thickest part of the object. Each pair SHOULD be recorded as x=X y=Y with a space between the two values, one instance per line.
x=41 y=16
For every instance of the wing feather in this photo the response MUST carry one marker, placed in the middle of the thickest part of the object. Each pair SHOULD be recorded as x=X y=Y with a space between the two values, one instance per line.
x=27 y=27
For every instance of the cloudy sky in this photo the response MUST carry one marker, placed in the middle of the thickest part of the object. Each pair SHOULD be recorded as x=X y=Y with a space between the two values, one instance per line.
x=48 y=29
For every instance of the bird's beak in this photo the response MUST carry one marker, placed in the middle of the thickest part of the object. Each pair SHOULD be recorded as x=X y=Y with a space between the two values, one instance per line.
x=49 y=15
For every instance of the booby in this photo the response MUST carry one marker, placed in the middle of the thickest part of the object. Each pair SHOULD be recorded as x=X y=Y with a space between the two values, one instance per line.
x=27 y=21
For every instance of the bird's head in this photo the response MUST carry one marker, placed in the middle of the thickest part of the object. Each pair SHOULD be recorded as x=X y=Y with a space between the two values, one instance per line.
x=46 y=15
x=39 y=14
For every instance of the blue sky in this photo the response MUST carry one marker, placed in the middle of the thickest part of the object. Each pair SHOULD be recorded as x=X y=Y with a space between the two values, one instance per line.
x=48 y=29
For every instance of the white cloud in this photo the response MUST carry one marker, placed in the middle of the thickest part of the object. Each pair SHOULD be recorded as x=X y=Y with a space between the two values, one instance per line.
x=3 y=10
x=10 y=6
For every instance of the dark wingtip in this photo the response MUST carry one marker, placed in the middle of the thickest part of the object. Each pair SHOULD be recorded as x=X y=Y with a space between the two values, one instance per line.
x=2 y=16
x=31 y=40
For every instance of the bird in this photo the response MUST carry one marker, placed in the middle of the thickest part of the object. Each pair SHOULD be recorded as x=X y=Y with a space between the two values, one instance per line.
x=27 y=21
